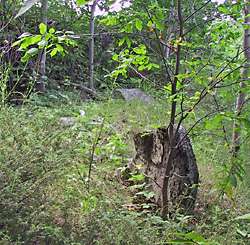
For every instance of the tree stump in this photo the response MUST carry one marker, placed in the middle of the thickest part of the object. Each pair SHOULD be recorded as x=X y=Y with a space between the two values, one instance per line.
x=172 y=174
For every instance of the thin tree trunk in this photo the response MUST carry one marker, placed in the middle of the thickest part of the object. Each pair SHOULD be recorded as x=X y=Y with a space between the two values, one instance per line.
x=244 y=78
x=92 y=45
x=177 y=70
x=41 y=86
x=172 y=132
x=169 y=34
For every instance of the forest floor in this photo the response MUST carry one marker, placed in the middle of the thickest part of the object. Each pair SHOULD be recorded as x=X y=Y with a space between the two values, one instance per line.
x=48 y=195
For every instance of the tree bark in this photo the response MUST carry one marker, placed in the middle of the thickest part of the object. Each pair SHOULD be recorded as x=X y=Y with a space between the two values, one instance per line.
x=174 y=183
x=244 y=78
x=41 y=84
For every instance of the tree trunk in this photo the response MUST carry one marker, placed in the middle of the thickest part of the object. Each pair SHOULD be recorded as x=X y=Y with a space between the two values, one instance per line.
x=92 y=45
x=41 y=84
x=244 y=78
x=174 y=182
x=171 y=23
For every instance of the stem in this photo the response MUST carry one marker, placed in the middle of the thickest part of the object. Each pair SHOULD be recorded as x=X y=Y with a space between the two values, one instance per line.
x=175 y=80
x=95 y=143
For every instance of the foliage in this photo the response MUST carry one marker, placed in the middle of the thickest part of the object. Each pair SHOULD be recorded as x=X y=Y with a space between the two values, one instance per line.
x=58 y=183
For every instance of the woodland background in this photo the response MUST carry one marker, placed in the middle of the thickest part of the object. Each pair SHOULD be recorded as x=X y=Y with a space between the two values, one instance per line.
x=60 y=182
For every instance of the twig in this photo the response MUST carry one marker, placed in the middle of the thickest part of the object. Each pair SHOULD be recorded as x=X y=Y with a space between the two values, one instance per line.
x=192 y=127
x=159 y=42
x=94 y=145
x=197 y=10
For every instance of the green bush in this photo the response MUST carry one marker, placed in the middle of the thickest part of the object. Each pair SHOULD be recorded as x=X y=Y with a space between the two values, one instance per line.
x=32 y=157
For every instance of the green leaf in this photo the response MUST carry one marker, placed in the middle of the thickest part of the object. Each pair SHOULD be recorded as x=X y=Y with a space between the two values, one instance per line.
x=214 y=123
x=53 y=52
x=179 y=241
x=59 y=48
x=138 y=24
x=32 y=51
x=42 y=43
x=25 y=58
x=141 y=68
x=81 y=2
x=194 y=236
x=115 y=57
x=128 y=41
x=223 y=9
x=16 y=43
x=150 y=23
x=128 y=28
x=42 y=28
x=137 y=177
x=52 y=30
x=243 y=217
x=89 y=203
x=121 y=42
x=140 y=50
x=26 y=6
x=109 y=21
x=28 y=41
x=242 y=233
x=35 y=39
x=155 y=66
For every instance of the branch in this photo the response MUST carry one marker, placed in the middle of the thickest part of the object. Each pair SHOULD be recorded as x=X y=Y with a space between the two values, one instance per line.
x=195 y=124
x=161 y=51
x=177 y=71
x=197 y=10
x=95 y=143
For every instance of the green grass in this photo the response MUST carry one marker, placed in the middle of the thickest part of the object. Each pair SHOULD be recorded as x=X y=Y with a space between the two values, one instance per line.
x=44 y=195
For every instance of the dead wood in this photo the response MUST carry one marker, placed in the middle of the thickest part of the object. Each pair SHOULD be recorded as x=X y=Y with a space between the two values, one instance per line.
x=174 y=179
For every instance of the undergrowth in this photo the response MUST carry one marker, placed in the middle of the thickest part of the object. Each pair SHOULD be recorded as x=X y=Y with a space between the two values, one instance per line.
x=48 y=195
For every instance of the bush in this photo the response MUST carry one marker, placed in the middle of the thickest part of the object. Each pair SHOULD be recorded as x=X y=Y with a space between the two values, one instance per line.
x=33 y=156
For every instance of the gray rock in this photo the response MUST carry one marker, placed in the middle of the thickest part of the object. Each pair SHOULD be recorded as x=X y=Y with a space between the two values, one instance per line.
x=131 y=94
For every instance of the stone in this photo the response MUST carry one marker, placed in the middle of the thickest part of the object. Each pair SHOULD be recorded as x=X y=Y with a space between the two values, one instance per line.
x=132 y=94
x=67 y=121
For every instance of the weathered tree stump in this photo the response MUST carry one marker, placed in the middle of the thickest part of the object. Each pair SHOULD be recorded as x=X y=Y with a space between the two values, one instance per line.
x=172 y=173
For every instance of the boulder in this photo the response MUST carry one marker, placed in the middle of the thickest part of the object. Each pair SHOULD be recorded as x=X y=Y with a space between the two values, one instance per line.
x=132 y=94
x=67 y=121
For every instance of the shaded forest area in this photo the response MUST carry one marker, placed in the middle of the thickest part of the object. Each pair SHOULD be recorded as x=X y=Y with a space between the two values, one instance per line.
x=124 y=122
